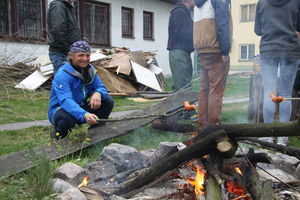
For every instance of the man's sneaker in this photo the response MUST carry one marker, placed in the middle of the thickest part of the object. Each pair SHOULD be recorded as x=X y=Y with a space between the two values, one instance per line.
x=54 y=135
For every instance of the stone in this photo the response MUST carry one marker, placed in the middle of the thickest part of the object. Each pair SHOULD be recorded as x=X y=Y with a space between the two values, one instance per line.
x=60 y=186
x=123 y=157
x=71 y=173
x=71 y=194
x=149 y=155
x=101 y=170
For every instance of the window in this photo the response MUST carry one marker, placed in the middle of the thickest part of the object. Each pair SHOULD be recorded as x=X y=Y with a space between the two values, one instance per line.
x=248 y=13
x=247 y=52
x=148 y=25
x=95 y=22
x=4 y=17
x=23 y=18
x=127 y=22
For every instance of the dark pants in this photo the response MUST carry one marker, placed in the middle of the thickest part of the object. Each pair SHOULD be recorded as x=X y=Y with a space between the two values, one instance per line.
x=213 y=81
x=181 y=68
x=57 y=59
x=64 y=122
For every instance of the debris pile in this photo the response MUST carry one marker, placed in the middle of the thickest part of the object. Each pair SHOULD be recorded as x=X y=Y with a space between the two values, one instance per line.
x=122 y=71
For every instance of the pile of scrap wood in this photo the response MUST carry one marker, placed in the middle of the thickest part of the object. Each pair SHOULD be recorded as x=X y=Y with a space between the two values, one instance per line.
x=122 y=71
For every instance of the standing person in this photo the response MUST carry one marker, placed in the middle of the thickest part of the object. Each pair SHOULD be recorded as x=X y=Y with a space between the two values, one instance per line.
x=278 y=24
x=212 y=40
x=63 y=30
x=77 y=94
x=180 y=44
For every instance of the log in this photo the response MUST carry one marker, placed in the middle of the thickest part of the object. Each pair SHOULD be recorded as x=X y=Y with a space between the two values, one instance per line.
x=166 y=125
x=200 y=148
x=213 y=190
x=291 y=151
x=275 y=129
x=258 y=189
x=226 y=146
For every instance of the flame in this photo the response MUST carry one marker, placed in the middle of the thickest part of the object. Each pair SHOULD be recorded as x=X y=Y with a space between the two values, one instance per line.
x=198 y=182
x=84 y=182
x=238 y=170
x=237 y=190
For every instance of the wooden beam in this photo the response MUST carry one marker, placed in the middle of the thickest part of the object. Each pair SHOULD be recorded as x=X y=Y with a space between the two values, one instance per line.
x=17 y=162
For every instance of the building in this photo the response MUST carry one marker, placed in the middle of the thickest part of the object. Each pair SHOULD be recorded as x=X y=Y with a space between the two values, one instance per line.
x=245 y=43
x=137 y=24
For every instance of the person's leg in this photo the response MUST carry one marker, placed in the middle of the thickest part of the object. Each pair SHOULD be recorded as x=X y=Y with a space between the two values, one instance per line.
x=57 y=59
x=103 y=112
x=63 y=123
x=203 y=94
x=269 y=70
x=181 y=68
x=288 y=72
x=218 y=73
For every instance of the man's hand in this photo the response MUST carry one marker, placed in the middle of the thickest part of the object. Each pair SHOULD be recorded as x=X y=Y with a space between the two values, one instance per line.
x=298 y=34
x=225 y=59
x=91 y=119
x=95 y=101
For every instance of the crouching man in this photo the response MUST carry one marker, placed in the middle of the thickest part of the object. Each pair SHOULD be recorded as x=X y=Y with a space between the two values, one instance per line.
x=77 y=93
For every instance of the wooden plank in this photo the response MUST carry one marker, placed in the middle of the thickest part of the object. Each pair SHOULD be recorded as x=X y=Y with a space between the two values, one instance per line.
x=145 y=76
x=33 y=81
x=17 y=162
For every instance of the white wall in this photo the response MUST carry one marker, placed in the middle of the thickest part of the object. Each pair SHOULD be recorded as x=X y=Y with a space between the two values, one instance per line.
x=13 y=52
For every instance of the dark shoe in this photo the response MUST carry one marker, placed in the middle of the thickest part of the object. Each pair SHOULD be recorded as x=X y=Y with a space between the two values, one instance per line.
x=55 y=135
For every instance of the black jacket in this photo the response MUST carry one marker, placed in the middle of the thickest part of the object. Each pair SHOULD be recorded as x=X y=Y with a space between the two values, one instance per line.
x=63 y=28
x=277 y=22
x=180 y=29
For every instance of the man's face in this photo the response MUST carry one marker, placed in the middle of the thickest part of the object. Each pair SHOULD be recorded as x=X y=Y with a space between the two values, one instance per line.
x=192 y=4
x=80 y=59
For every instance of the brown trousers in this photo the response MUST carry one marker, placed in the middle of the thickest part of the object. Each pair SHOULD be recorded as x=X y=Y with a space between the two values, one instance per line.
x=214 y=74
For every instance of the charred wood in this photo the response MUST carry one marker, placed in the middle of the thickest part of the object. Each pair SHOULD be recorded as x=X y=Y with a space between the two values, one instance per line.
x=227 y=146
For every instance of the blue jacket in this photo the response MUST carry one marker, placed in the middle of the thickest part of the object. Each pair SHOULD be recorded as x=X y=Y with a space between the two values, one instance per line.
x=70 y=90
x=212 y=26
x=180 y=29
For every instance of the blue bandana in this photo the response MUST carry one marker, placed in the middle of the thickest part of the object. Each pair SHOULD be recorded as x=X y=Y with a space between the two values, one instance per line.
x=80 y=47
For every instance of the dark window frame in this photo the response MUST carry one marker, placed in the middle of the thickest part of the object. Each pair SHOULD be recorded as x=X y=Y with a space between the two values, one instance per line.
x=130 y=23
x=82 y=18
x=14 y=20
x=148 y=35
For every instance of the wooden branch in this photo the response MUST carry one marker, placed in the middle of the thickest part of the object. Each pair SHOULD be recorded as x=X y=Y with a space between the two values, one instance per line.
x=212 y=190
x=212 y=171
x=200 y=148
x=291 y=151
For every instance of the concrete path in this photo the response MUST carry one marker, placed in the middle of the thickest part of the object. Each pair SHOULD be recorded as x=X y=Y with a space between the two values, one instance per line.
x=22 y=125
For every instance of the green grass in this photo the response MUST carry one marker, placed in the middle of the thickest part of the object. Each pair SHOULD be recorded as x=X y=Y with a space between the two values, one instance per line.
x=237 y=87
x=17 y=140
